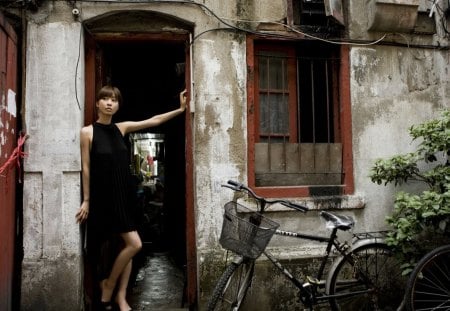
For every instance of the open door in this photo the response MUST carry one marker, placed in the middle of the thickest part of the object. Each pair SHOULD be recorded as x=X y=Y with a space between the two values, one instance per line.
x=151 y=71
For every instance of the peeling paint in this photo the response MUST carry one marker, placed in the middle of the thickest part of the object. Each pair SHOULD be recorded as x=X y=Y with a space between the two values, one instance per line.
x=212 y=66
x=238 y=57
x=12 y=103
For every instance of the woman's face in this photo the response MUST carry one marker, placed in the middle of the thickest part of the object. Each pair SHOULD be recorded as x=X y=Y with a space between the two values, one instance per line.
x=107 y=105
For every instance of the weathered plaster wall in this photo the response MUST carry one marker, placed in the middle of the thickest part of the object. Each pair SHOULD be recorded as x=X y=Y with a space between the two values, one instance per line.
x=219 y=128
x=250 y=9
x=53 y=120
x=391 y=88
x=51 y=266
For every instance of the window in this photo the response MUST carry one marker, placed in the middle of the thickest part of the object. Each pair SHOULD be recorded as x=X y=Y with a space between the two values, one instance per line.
x=317 y=13
x=299 y=133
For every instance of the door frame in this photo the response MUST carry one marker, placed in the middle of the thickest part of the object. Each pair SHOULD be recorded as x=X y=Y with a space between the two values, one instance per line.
x=94 y=79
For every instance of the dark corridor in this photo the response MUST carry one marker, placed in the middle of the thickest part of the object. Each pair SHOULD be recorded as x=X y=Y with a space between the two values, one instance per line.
x=151 y=75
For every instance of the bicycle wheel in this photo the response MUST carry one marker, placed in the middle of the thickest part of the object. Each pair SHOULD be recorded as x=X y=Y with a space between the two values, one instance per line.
x=428 y=287
x=232 y=286
x=369 y=278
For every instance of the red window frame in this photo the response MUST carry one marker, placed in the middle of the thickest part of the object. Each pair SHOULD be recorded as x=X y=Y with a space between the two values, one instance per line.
x=347 y=184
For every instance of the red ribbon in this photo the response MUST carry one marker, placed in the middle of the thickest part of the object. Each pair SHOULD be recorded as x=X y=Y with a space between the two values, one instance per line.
x=15 y=157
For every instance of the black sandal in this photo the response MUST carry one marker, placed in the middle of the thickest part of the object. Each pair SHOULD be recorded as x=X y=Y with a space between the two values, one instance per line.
x=106 y=305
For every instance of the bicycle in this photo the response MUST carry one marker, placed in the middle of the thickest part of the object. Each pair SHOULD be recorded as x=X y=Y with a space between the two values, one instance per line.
x=428 y=287
x=364 y=276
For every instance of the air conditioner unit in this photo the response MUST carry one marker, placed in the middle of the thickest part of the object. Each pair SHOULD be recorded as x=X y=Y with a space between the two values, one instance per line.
x=393 y=15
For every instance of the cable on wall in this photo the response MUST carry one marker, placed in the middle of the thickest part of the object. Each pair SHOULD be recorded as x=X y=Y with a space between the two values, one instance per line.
x=225 y=22
x=77 y=15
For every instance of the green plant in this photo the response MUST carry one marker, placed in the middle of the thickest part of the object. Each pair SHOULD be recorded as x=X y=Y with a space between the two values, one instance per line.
x=419 y=221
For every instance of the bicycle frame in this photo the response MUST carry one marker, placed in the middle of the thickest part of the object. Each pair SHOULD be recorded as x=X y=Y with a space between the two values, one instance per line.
x=331 y=241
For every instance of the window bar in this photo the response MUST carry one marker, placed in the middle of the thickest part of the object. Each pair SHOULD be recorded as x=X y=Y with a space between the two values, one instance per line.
x=328 y=115
x=313 y=103
x=328 y=102
x=283 y=63
x=268 y=114
x=298 y=101
x=299 y=137
x=313 y=111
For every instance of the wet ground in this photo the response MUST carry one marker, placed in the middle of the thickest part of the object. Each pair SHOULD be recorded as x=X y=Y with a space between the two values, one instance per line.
x=159 y=285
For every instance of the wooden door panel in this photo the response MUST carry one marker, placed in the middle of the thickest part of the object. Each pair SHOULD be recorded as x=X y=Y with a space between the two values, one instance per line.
x=8 y=134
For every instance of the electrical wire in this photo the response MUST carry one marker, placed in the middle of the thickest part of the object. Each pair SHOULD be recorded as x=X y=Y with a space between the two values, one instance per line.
x=306 y=34
x=231 y=27
x=201 y=5
x=266 y=33
x=237 y=28
x=79 y=52
x=441 y=13
x=442 y=16
x=78 y=63
x=432 y=7
x=223 y=20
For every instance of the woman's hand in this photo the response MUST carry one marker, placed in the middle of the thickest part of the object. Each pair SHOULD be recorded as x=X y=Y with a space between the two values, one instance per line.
x=183 y=100
x=83 y=212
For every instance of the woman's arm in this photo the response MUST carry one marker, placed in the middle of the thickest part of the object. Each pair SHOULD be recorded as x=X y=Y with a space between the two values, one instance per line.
x=131 y=126
x=85 y=145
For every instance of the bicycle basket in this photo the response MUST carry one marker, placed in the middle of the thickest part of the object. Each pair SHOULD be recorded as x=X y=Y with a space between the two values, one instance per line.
x=244 y=231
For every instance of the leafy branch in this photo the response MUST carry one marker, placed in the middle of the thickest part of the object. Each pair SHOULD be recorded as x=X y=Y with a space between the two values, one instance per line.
x=419 y=219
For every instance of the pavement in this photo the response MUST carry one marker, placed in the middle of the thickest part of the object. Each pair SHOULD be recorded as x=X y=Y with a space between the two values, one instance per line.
x=159 y=285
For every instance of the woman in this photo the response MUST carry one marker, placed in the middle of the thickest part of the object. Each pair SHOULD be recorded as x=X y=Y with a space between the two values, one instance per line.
x=108 y=189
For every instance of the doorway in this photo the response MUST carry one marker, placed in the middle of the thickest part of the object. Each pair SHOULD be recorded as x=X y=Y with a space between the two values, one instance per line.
x=150 y=72
x=151 y=75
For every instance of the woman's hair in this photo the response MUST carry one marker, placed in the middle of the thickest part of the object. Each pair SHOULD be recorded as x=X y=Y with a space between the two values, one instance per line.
x=111 y=92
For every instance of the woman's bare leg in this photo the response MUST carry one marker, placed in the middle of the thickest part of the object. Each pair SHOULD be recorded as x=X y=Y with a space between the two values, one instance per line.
x=121 y=297
x=132 y=246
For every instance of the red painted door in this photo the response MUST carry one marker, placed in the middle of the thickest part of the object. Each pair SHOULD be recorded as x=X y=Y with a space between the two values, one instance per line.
x=8 y=138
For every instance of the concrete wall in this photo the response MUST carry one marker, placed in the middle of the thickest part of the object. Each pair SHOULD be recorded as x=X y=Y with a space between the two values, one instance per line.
x=392 y=87
x=51 y=266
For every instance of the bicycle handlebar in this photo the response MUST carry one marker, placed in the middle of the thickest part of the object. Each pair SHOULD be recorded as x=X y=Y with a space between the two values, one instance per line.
x=236 y=186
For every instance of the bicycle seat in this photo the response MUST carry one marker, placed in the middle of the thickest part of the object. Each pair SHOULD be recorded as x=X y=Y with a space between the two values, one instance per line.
x=340 y=222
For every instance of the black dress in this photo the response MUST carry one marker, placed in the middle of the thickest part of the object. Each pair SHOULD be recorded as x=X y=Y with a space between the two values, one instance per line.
x=112 y=206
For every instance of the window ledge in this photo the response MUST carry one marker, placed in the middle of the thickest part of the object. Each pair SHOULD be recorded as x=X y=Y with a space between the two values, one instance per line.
x=335 y=202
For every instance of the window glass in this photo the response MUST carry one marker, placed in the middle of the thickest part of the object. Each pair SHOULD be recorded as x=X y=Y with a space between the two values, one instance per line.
x=274 y=115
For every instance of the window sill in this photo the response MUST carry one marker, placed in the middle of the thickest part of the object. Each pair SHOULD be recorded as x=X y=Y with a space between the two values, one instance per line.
x=335 y=202
x=313 y=191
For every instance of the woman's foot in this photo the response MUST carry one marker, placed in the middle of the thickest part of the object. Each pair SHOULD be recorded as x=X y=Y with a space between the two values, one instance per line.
x=123 y=305
x=107 y=291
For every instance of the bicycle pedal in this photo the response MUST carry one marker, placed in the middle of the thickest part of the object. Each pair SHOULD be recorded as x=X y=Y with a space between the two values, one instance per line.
x=315 y=281
x=306 y=296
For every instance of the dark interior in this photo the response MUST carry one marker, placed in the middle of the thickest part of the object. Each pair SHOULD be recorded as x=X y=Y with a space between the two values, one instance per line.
x=150 y=76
